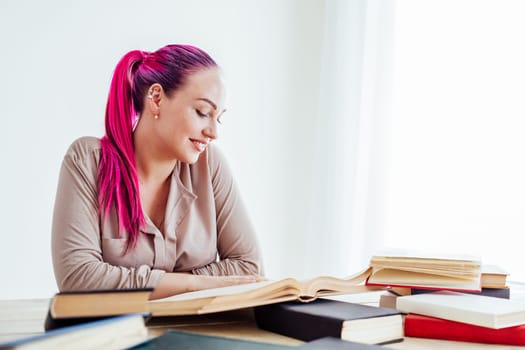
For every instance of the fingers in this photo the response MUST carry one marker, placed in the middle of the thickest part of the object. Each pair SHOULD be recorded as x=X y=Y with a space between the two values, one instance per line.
x=230 y=280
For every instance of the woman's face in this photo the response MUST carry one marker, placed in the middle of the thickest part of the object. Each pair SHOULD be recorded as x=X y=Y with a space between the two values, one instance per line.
x=188 y=120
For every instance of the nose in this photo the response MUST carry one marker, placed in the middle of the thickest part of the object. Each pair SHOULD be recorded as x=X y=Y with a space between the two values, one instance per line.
x=210 y=131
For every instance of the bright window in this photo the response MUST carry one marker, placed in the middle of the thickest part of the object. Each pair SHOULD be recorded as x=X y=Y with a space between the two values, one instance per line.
x=456 y=169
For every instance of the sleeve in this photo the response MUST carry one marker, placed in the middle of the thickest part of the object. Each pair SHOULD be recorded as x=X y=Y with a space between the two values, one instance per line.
x=237 y=245
x=76 y=240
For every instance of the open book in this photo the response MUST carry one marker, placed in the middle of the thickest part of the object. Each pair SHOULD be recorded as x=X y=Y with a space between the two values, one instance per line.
x=116 y=302
x=256 y=294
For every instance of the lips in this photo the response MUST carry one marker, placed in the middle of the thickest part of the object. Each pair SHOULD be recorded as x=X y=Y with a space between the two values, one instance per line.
x=199 y=145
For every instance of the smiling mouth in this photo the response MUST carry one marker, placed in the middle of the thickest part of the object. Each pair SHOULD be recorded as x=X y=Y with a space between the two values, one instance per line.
x=199 y=145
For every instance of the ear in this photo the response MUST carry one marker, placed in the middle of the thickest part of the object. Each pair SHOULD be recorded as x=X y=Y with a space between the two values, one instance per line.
x=153 y=98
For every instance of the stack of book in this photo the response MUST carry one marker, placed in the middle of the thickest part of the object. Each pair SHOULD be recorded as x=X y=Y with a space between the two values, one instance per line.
x=449 y=297
x=415 y=273
x=463 y=317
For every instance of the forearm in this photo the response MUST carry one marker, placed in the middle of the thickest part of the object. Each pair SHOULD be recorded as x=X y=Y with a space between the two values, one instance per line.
x=97 y=275
x=177 y=283
x=231 y=266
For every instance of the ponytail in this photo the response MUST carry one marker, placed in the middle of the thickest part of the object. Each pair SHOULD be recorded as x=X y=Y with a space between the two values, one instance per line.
x=117 y=172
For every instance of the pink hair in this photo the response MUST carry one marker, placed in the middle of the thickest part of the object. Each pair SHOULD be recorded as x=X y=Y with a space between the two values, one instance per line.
x=118 y=184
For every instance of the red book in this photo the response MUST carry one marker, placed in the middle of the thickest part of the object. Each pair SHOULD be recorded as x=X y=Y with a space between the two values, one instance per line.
x=437 y=328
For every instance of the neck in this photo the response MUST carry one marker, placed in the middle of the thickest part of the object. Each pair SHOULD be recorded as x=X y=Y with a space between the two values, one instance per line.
x=151 y=166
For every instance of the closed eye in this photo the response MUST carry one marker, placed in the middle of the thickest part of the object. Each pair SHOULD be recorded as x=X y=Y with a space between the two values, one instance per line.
x=204 y=115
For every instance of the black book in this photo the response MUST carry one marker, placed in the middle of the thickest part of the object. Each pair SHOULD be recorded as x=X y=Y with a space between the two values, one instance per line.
x=330 y=318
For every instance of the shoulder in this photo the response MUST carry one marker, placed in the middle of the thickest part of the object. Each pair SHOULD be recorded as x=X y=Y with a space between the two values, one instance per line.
x=84 y=154
x=83 y=148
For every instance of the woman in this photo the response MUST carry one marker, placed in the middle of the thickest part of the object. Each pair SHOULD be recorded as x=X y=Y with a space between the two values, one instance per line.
x=153 y=203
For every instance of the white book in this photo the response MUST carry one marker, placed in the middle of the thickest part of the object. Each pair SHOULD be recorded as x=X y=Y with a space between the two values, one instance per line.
x=467 y=308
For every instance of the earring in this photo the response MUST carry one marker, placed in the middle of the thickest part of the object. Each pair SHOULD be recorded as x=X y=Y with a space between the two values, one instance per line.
x=156 y=116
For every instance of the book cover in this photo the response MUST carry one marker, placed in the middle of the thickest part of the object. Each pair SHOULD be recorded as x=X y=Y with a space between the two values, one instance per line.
x=98 y=303
x=322 y=318
x=466 y=308
x=191 y=341
x=437 y=328
x=110 y=333
x=488 y=292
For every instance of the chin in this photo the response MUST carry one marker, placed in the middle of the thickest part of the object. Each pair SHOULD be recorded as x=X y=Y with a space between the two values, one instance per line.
x=191 y=159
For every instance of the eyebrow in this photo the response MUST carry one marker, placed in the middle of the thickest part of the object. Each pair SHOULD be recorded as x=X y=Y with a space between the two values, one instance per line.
x=211 y=103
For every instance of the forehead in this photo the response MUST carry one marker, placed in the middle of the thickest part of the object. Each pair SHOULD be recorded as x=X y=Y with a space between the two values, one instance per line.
x=205 y=83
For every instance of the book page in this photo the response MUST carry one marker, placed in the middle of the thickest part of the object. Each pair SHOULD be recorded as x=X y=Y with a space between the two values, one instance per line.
x=213 y=292
x=423 y=280
x=325 y=285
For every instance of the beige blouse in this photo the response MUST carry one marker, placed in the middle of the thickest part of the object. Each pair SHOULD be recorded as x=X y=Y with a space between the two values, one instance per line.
x=206 y=230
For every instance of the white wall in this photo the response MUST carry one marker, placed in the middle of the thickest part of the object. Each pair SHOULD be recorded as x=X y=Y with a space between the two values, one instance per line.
x=56 y=63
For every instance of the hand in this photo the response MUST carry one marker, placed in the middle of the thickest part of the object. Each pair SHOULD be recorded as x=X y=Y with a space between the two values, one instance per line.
x=199 y=282
x=177 y=283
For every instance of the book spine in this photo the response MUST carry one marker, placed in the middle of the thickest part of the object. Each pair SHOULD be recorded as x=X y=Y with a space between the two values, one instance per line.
x=436 y=328
x=275 y=318
x=51 y=323
x=503 y=293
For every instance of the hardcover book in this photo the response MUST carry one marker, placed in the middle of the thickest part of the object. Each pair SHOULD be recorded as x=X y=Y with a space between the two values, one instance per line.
x=178 y=340
x=488 y=292
x=466 y=308
x=437 y=328
x=111 y=333
x=71 y=308
x=99 y=303
x=322 y=318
